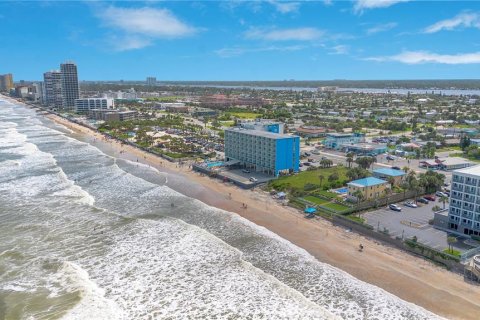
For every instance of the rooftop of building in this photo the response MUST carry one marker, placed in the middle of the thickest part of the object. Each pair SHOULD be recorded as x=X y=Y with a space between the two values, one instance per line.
x=261 y=133
x=474 y=171
x=365 y=146
x=340 y=135
x=367 y=182
x=453 y=160
x=389 y=172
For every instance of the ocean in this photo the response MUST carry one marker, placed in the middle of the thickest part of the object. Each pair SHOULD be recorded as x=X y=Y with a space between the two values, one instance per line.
x=84 y=235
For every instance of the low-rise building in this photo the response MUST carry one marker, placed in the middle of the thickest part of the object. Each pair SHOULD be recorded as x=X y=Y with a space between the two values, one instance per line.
x=337 y=140
x=386 y=174
x=370 y=188
x=447 y=164
x=311 y=131
x=83 y=106
x=204 y=112
x=262 y=151
x=365 y=149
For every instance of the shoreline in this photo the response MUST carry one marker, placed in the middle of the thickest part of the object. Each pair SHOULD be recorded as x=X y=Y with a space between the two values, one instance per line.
x=408 y=277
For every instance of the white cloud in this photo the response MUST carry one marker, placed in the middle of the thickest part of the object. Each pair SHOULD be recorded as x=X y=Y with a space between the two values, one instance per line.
x=285 y=7
x=295 y=34
x=136 y=28
x=381 y=28
x=237 y=51
x=467 y=20
x=419 y=57
x=158 y=23
x=340 y=49
x=362 y=5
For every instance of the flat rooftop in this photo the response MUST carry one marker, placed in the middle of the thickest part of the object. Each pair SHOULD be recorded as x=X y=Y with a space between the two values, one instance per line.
x=367 y=182
x=260 y=133
x=389 y=172
x=474 y=171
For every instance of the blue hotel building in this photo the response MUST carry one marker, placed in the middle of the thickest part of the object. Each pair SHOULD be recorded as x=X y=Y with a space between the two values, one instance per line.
x=263 y=151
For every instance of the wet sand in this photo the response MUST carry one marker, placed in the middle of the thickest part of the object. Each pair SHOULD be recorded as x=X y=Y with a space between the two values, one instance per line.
x=408 y=277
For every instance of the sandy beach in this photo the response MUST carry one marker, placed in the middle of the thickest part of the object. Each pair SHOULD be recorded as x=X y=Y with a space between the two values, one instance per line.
x=408 y=277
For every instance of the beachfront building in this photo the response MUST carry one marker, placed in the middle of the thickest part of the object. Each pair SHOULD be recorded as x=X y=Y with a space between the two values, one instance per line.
x=386 y=174
x=6 y=82
x=82 y=106
x=53 y=89
x=364 y=149
x=338 y=140
x=70 y=88
x=262 y=151
x=370 y=188
x=112 y=115
x=263 y=125
x=464 y=208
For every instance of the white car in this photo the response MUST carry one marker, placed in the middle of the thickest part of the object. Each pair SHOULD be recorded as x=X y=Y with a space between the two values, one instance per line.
x=411 y=204
x=252 y=179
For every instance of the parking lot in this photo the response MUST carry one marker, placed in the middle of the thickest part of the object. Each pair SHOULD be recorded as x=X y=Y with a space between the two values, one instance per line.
x=411 y=222
x=244 y=177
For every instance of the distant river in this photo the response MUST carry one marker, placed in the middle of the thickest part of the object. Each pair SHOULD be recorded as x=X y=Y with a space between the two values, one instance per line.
x=446 y=92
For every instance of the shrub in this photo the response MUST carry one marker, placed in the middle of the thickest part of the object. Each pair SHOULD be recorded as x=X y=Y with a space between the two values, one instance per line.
x=310 y=187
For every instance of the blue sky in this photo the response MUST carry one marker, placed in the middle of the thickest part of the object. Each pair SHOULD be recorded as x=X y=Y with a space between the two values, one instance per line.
x=243 y=40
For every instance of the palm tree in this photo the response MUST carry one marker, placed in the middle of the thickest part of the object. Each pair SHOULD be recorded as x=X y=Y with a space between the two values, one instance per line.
x=443 y=200
x=321 y=178
x=406 y=169
x=359 y=195
x=451 y=240
x=350 y=156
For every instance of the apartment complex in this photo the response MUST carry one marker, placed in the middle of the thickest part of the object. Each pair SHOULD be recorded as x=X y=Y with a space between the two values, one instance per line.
x=6 y=82
x=82 y=106
x=464 y=209
x=263 y=151
x=70 y=89
x=52 y=81
x=112 y=115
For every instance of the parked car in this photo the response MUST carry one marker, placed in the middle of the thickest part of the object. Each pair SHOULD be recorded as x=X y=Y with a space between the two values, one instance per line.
x=308 y=154
x=441 y=194
x=396 y=168
x=430 y=197
x=307 y=164
x=252 y=179
x=391 y=158
x=246 y=171
x=411 y=204
x=423 y=200
x=394 y=207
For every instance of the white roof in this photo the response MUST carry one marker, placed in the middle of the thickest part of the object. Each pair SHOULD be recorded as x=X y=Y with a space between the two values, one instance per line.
x=453 y=161
x=475 y=171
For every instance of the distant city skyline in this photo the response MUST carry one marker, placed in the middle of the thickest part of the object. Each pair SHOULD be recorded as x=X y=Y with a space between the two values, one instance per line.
x=236 y=40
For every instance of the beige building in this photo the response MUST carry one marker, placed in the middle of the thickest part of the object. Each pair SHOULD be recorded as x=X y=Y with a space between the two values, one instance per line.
x=6 y=82
x=370 y=187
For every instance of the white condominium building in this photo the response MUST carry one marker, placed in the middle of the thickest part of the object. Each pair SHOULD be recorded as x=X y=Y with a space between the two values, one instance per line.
x=464 y=210
x=84 y=105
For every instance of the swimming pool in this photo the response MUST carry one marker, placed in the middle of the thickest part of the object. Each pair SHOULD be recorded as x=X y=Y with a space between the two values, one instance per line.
x=341 y=190
x=214 y=164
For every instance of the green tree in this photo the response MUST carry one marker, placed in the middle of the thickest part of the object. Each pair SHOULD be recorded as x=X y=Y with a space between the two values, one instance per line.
x=350 y=159
x=451 y=241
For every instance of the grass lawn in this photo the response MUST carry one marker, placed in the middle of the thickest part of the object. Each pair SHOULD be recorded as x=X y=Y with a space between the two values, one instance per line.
x=452 y=148
x=301 y=179
x=328 y=194
x=228 y=123
x=316 y=200
x=355 y=218
x=462 y=155
x=336 y=207
x=453 y=252
x=244 y=115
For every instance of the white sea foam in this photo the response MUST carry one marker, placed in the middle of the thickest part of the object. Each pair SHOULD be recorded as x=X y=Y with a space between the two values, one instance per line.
x=93 y=304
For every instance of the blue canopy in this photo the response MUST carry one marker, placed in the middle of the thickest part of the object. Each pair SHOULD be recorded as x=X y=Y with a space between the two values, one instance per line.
x=310 y=210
